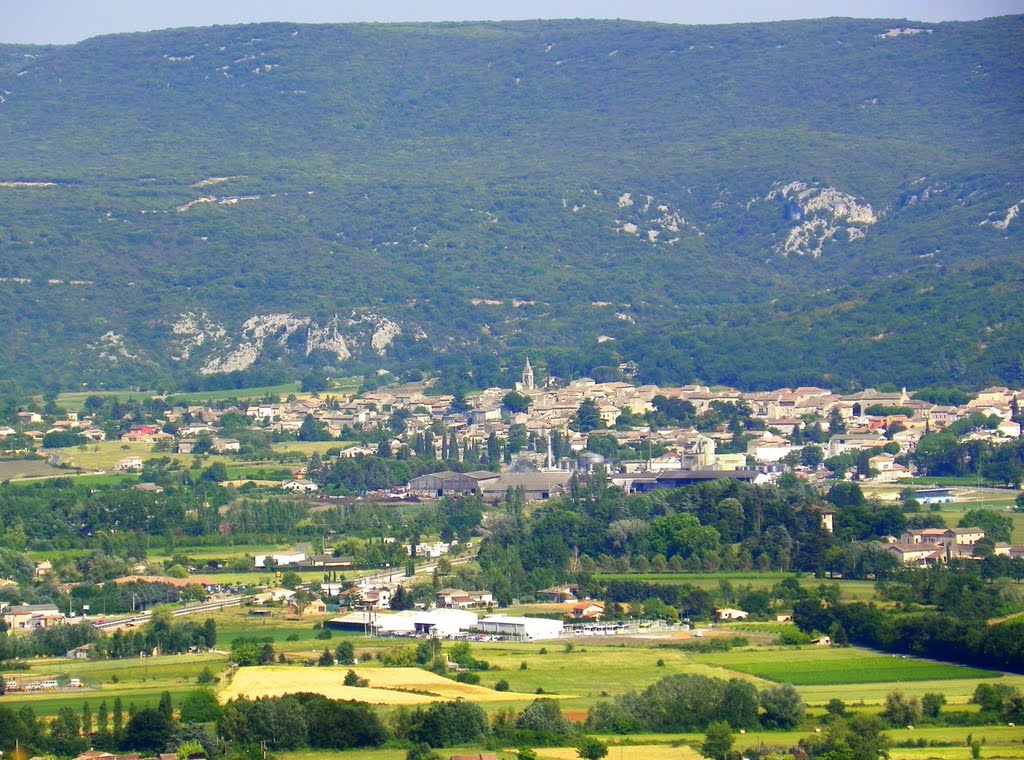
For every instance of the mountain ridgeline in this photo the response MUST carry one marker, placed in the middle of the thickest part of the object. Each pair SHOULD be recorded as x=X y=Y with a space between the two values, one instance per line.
x=828 y=202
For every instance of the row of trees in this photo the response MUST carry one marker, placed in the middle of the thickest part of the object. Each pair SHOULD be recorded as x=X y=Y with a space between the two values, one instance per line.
x=162 y=633
x=148 y=729
x=923 y=634
x=718 y=525
x=683 y=702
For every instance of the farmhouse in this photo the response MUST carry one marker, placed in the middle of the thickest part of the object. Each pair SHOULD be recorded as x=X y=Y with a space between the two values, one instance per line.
x=923 y=555
x=145 y=434
x=459 y=599
x=23 y=617
x=225 y=445
x=367 y=598
x=79 y=653
x=560 y=594
x=943 y=536
x=315 y=607
x=844 y=443
x=587 y=611
x=300 y=486
x=727 y=613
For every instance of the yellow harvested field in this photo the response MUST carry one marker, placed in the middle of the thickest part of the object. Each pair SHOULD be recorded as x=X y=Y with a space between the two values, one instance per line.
x=634 y=752
x=275 y=681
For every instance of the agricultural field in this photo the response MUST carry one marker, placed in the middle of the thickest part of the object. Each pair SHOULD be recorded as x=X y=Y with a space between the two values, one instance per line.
x=387 y=686
x=306 y=448
x=75 y=401
x=104 y=454
x=137 y=681
x=812 y=666
x=242 y=394
x=12 y=469
x=850 y=590
x=968 y=496
x=580 y=672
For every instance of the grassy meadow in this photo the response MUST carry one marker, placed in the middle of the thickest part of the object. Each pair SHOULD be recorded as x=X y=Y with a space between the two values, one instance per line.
x=849 y=590
x=814 y=666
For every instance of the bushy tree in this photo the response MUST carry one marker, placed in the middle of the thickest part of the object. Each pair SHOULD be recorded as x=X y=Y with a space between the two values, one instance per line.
x=345 y=653
x=544 y=717
x=592 y=748
x=64 y=738
x=901 y=710
x=931 y=705
x=450 y=723
x=859 y=738
x=341 y=725
x=199 y=706
x=996 y=526
x=587 y=417
x=718 y=741
x=149 y=729
x=783 y=707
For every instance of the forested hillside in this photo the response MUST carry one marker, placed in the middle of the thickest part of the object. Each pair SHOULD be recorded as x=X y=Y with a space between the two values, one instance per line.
x=823 y=202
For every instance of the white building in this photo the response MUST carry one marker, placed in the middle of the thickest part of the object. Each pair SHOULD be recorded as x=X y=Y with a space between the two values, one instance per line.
x=444 y=623
x=520 y=628
x=280 y=558
x=300 y=486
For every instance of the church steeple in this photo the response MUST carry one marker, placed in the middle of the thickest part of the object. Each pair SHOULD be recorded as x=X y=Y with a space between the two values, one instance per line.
x=527 y=382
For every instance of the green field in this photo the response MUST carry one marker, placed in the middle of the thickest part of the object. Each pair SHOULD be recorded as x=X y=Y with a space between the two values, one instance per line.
x=75 y=401
x=592 y=671
x=11 y=469
x=242 y=394
x=850 y=590
x=103 y=455
x=811 y=666
x=308 y=447
x=139 y=681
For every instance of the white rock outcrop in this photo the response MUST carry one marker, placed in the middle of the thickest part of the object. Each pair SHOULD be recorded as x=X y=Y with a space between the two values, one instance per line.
x=337 y=336
x=821 y=213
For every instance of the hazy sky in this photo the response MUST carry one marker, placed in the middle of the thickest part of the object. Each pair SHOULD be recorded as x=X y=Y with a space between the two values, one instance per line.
x=63 y=21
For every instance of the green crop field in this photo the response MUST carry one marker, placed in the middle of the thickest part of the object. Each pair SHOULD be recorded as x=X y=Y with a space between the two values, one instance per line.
x=851 y=590
x=305 y=448
x=103 y=455
x=242 y=394
x=583 y=671
x=137 y=681
x=840 y=666
x=75 y=401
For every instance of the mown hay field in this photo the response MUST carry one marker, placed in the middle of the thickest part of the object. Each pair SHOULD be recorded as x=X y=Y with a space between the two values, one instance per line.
x=388 y=686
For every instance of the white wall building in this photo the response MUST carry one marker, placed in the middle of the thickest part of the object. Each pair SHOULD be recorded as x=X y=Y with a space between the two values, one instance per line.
x=521 y=628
